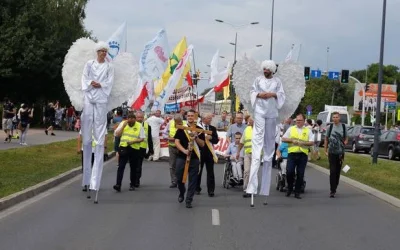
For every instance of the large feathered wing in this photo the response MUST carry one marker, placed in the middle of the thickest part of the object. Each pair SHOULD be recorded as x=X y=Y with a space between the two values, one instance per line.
x=80 y=52
x=126 y=72
x=245 y=72
x=292 y=76
x=290 y=73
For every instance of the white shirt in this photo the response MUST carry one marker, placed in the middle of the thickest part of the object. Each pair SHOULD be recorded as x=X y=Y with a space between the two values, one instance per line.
x=142 y=135
x=155 y=123
x=267 y=108
x=299 y=131
x=102 y=73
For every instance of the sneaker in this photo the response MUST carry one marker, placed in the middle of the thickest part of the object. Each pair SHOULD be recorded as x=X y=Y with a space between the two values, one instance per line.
x=46 y=132
x=24 y=144
x=332 y=195
x=5 y=140
x=173 y=185
x=132 y=188
x=53 y=134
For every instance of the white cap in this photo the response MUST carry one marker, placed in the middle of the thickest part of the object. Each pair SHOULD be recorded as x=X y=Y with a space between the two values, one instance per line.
x=101 y=45
x=268 y=64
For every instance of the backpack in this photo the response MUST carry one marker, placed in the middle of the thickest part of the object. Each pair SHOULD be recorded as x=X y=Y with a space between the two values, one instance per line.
x=336 y=146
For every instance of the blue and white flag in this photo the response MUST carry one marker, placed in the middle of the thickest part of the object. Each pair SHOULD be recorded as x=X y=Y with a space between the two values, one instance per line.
x=115 y=41
x=154 y=58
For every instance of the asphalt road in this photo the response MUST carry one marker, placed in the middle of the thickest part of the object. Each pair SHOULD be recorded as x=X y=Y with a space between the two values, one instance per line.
x=151 y=218
x=38 y=137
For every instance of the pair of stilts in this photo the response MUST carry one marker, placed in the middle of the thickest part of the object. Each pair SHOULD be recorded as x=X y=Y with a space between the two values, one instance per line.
x=252 y=201
x=89 y=196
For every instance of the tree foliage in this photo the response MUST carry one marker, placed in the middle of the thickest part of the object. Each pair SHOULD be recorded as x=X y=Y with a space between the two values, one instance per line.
x=35 y=37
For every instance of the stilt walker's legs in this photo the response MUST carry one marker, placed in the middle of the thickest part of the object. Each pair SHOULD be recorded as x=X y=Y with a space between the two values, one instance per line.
x=88 y=194
x=252 y=200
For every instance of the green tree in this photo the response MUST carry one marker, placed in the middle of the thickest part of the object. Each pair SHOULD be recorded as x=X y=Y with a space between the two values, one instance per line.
x=35 y=37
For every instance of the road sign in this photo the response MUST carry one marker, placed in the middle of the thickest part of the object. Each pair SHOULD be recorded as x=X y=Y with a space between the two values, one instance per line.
x=309 y=113
x=390 y=105
x=315 y=73
x=333 y=75
x=309 y=108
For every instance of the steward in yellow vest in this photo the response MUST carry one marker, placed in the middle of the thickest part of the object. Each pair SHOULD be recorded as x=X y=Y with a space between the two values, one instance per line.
x=299 y=138
x=132 y=134
x=170 y=132
x=245 y=142
x=145 y=145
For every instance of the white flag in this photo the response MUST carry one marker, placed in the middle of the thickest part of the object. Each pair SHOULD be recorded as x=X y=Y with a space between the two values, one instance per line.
x=214 y=67
x=115 y=41
x=154 y=58
x=289 y=55
x=173 y=81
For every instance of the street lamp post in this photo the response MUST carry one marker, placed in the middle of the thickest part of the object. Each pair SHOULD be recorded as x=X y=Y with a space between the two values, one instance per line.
x=232 y=89
x=272 y=29
x=380 y=79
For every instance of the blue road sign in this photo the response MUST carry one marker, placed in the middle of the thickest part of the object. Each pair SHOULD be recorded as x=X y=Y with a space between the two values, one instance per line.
x=333 y=75
x=315 y=73
x=309 y=108
x=309 y=113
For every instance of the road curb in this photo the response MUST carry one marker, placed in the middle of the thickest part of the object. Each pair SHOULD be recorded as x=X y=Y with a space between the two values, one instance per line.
x=30 y=192
x=372 y=191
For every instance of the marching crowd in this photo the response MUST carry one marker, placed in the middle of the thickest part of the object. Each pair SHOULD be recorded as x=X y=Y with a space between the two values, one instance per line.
x=137 y=139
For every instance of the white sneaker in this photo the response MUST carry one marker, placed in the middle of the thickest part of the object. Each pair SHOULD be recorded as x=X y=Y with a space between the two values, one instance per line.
x=24 y=144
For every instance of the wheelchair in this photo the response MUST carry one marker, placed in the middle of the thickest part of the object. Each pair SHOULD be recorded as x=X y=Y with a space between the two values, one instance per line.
x=227 y=181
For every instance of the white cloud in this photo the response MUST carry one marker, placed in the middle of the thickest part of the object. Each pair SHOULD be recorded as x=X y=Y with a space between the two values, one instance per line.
x=350 y=28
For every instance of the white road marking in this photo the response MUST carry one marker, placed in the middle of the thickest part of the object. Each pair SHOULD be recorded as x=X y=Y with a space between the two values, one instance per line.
x=215 y=217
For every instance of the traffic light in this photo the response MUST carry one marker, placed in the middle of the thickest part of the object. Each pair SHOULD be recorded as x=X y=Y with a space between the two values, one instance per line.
x=307 y=73
x=367 y=87
x=345 y=76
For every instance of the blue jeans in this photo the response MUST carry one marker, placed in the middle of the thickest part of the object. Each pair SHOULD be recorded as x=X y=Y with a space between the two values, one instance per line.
x=296 y=164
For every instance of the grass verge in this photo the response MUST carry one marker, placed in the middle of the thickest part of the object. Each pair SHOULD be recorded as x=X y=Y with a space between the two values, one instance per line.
x=384 y=176
x=25 y=167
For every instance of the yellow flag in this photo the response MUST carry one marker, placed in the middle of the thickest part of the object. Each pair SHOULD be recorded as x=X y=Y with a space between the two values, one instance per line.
x=226 y=90
x=176 y=55
x=237 y=103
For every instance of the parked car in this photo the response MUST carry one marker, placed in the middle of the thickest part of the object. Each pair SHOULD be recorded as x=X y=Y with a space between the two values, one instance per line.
x=360 y=138
x=389 y=144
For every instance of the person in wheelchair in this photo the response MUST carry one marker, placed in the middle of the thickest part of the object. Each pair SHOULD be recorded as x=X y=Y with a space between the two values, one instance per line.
x=281 y=155
x=236 y=163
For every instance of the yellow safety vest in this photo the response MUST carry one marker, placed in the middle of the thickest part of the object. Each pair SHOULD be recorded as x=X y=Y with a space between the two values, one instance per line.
x=172 y=131
x=129 y=134
x=143 y=144
x=294 y=134
x=248 y=134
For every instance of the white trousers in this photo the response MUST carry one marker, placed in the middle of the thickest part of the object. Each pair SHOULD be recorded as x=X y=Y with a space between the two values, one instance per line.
x=237 y=169
x=94 y=123
x=156 y=148
x=263 y=140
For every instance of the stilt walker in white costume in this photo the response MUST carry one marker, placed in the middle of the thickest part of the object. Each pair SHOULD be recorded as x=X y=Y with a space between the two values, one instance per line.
x=102 y=86
x=97 y=82
x=267 y=97
x=271 y=96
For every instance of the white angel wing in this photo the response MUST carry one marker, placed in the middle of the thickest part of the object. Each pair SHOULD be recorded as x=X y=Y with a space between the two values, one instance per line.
x=80 y=52
x=126 y=73
x=292 y=76
x=245 y=72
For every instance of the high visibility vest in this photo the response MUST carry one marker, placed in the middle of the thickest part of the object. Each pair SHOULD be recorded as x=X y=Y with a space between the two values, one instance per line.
x=172 y=131
x=294 y=134
x=143 y=144
x=248 y=134
x=129 y=134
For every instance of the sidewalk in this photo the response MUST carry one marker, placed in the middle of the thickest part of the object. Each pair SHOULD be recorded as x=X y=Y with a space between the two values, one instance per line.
x=38 y=137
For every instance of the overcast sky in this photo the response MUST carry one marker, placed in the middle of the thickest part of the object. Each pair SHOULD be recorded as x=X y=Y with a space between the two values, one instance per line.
x=350 y=28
